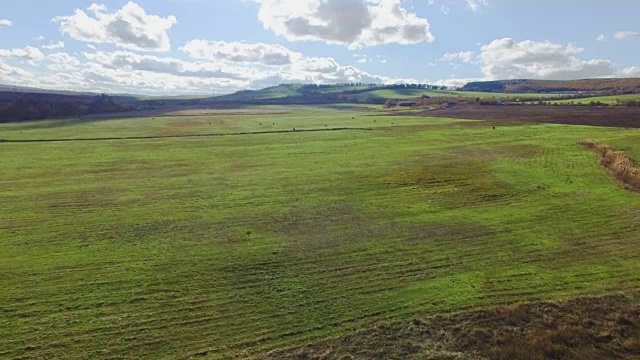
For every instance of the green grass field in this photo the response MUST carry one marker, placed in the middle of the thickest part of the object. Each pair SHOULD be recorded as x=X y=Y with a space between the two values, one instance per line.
x=611 y=100
x=226 y=247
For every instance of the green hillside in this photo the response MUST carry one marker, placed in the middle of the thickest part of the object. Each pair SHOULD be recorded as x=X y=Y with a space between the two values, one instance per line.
x=361 y=93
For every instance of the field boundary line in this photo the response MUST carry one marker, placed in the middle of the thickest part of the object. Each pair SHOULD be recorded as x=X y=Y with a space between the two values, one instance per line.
x=155 y=137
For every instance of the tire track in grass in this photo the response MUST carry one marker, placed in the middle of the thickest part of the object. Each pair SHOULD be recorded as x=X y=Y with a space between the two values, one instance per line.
x=518 y=292
x=323 y=301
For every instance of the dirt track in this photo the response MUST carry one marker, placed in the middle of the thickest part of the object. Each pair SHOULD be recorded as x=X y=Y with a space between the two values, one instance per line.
x=572 y=115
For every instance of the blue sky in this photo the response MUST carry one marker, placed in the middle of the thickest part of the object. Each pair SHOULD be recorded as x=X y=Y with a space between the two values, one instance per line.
x=203 y=47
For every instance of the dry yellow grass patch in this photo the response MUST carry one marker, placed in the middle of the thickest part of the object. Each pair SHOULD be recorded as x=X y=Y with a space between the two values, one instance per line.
x=618 y=163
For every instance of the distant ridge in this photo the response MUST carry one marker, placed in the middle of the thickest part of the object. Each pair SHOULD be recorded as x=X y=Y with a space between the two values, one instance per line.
x=613 y=86
x=33 y=90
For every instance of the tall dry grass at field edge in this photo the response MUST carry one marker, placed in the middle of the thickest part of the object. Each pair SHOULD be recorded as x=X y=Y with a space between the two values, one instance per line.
x=618 y=163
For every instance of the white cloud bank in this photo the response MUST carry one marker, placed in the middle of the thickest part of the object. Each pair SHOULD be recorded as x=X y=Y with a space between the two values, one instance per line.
x=62 y=62
x=259 y=53
x=352 y=23
x=212 y=69
x=509 y=59
x=129 y=27
x=27 y=54
x=223 y=67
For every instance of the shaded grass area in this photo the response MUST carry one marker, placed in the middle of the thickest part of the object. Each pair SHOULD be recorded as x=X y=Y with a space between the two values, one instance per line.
x=233 y=246
x=584 y=328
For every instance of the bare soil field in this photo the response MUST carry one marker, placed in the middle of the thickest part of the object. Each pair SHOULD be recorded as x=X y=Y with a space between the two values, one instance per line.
x=584 y=328
x=569 y=115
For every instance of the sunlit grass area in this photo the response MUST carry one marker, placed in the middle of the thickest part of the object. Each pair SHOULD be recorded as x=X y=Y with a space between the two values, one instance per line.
x=229 y=246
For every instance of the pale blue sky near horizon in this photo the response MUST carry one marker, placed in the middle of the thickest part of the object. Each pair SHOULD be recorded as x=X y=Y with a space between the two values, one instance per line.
x=549 y=39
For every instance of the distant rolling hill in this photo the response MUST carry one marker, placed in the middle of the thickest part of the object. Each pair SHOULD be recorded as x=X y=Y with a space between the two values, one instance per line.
x=371 y=94
x=23 y=104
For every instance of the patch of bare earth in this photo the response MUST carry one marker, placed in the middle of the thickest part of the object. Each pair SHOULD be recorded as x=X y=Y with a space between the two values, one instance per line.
x=618 y=163
x=585 y=328
x=616 y=116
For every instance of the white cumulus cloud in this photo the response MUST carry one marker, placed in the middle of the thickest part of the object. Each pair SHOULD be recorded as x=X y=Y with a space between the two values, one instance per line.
x=508 y=59
x=62 y=61
x=126 y=60
x=633 y=71
x=5 y=22
x=14 y=75
x=316 y=65
x=129 y=27
x=54 y=46
x=28 y=53
x=266 y=54
x=624 y=35
x=463 y=56
x=620 y=35
x=353 y=23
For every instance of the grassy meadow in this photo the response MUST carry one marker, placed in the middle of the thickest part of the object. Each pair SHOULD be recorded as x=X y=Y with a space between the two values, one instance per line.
x=609 y=100
x=229 y=246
